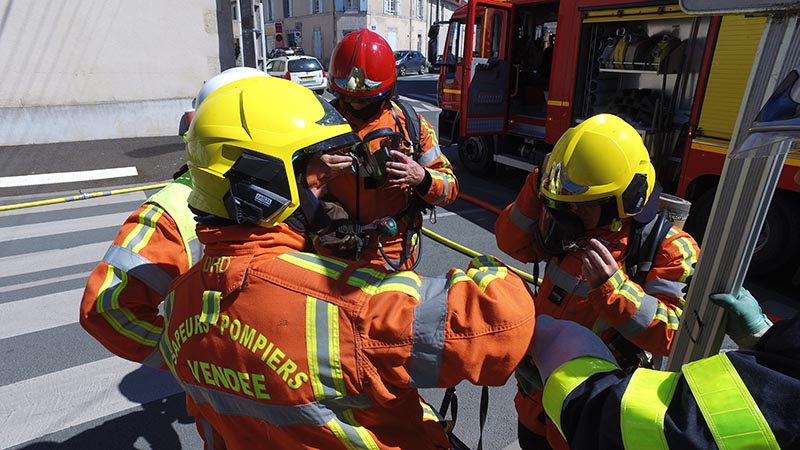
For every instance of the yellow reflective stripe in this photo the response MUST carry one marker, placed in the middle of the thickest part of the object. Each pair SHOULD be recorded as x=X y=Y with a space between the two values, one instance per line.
x=210 y=312
x=337 y=431
x=108 y=295
x=331 y=268
x=173 y=198
x=143 y=231
x=565 y=379
x=631 y=292
x=670 y=317
x=730 y=411
x=643 y=407
x=367 y=441
x=457 y=276
x=428 y=413
x=334 y=350
x=427 y=128
x=485 y=275
x=325 y=369
x=311 y=346
x=687 y=252
x=373 y=282
x=107 y=305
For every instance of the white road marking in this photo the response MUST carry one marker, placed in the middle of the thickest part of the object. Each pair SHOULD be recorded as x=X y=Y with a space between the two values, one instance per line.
x=52 y=259
x=67 y=177
x=53 y=310
x=64 y=226
x=39 y=406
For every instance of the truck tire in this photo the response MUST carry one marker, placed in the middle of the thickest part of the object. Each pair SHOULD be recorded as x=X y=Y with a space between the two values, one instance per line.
x=777 y=243
x=475 y=153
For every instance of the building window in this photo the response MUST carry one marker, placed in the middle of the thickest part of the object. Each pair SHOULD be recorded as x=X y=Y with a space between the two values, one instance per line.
x=287 y=8
x=315 y=6
x=354 y=5
x=270 y=11
x=390 y=6
x=420 y=10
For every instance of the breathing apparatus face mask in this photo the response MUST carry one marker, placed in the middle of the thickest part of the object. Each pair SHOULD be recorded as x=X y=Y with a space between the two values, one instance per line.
x=557 y=228
x=374 y=151
x=562 y=226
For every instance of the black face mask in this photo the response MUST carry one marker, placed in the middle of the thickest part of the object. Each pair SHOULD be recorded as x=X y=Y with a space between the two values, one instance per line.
x=310 y=216
x=364 y=114
x=558 y=228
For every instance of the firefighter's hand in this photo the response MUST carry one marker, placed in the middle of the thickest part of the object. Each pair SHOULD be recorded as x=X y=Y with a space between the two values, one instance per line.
x=325 y=167
x=404 y=170
x=746 y=323
x=598 y=264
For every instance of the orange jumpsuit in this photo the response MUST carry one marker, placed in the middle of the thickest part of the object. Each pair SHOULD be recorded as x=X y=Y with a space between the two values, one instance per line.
x=377 y=202
x=646 y=315
x=282 y=349
x=119 y=307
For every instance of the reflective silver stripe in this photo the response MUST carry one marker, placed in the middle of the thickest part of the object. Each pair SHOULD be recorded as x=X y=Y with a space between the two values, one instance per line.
x=430 y=155
x=138 y=267
x=665 y=287
x=154 y=359
x=566 y=281
x=641 y=319
x=315 y=414
x=522 y=221
x=208 y=433
x=429 y=327
x=325 y=328
x=196 y=248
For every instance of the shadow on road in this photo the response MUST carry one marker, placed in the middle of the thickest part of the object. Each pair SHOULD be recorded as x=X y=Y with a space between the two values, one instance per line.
x=150 y=427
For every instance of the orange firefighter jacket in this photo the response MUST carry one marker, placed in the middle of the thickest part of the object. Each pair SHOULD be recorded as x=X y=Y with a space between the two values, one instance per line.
x=377 y=202
x=646 y=315
x=156 y=243
x=284 y=350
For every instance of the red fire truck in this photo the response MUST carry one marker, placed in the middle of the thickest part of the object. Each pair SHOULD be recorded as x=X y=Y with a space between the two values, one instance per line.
x=516 y=74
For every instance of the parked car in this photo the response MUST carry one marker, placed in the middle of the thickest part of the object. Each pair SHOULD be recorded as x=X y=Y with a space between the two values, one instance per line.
x=409 y=61
x=304 y=70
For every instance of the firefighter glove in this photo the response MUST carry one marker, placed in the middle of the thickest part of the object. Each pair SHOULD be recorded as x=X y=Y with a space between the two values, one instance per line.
x=746 y=323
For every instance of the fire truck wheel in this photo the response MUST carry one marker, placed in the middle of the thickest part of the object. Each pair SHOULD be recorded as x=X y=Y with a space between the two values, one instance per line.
x=475 y=154
x=777 y=242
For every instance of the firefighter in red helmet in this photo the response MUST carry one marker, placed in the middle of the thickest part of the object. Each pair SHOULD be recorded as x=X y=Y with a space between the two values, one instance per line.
x=400 y=169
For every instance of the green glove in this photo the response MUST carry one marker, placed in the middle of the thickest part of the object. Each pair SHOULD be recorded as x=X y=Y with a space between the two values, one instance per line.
x=746 y=322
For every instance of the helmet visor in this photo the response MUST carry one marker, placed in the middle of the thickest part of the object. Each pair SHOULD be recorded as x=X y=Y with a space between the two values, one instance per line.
x=557 y=182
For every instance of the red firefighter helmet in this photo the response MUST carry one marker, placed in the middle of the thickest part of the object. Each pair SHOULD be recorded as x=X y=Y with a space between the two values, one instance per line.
x=362 y=65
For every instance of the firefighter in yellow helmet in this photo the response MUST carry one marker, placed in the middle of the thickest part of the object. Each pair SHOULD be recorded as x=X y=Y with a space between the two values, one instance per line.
x=157 y=242
x=613 y=263
x=281 y=349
